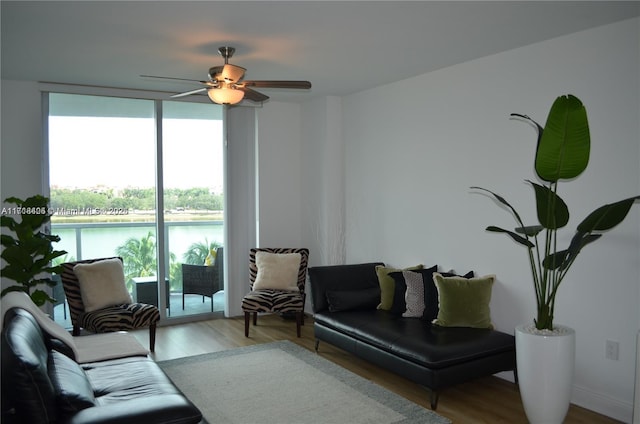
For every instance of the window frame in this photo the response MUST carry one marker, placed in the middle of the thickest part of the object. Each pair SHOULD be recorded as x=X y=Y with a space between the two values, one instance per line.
x=158 y=97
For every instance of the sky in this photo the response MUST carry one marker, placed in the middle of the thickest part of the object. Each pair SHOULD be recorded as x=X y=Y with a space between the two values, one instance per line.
x=85 y=152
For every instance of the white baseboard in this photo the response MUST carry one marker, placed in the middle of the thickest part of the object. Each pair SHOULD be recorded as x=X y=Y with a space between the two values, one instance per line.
x=602 y=404
x=597 y=402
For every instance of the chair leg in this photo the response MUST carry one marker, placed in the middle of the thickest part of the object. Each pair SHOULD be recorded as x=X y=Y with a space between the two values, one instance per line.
x=152 y=337
x=183 y=301
x=76 y=330
x=255 y=318
x=298 y=322
x=246 y=324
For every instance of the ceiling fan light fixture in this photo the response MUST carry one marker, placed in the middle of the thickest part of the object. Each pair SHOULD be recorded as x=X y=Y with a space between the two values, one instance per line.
x=226 y=83
x=225 y=95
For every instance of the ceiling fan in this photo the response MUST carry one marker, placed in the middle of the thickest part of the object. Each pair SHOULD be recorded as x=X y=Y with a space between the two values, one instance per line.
x=227 y=86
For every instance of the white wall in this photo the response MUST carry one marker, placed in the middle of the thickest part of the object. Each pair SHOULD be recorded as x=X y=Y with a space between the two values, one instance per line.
x=279 y=169
x=20 y=141
x=21 y=151
x=323 y=181
x=413 y=149
x=240 y=203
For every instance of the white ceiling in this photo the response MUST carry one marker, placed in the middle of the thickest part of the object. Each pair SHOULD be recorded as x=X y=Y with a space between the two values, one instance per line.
x=341 y=47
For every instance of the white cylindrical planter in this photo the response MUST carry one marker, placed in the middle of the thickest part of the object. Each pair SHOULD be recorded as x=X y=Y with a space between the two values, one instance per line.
x=545 y=362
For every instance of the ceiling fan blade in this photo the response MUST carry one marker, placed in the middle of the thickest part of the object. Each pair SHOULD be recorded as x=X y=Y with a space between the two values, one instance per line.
x=277 y=84
x=173 y=78
x=188 y=93
x=253 y=95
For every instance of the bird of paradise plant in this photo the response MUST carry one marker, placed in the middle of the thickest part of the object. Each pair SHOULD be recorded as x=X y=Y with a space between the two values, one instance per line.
x=562 y=153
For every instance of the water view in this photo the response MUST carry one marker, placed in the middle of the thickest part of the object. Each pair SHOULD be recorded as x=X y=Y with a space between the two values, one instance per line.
x=101 y=240
x=108 y=204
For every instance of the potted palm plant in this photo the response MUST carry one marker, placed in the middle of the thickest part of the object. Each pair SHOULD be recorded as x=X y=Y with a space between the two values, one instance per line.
x=546 y=351
x=29 y=251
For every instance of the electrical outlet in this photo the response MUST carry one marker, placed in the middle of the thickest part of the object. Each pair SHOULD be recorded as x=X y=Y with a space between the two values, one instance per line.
x=612 y=350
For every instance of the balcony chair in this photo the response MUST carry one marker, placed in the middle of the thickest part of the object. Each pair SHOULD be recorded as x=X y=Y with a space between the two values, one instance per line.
x=203 y=280
x=110 y=305
x=277 y=283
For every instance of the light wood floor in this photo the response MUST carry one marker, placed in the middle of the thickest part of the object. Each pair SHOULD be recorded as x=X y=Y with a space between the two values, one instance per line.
x=489 y=400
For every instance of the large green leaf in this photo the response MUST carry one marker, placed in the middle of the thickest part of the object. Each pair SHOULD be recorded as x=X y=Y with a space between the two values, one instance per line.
x=530 y=230
x=14 y=289
x=578 y=241
x=563 y=149
x=607 y=216
x=8 y=222
x=502 y=200
x=40 y=297
x=7 y=240
x=553 y=212
x=516 y=237
x=555 y=260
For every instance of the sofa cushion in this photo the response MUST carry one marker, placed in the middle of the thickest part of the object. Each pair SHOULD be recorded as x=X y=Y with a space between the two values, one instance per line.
x=398 y=304
x=344 y=300
x=416 y=341
x=72 y=388
x=464 y=302
x=127 y=378
x=414 y=295
x=26 y=386
x=430 y=294
x=387 y=284
x=340 y=277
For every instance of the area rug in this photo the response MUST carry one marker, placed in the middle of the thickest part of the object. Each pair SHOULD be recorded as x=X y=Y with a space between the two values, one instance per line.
x=283 y=383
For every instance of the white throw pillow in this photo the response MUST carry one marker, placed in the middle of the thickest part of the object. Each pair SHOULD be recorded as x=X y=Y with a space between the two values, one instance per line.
x=102 y=284
x=277 y=271
x=414 y=296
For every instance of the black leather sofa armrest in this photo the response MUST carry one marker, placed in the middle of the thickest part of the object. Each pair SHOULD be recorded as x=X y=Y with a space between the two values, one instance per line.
x=339 y=278
x=169 y=409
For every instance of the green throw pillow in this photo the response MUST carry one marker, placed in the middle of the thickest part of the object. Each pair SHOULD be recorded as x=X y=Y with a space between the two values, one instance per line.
x=464 y=302
x=387 y=284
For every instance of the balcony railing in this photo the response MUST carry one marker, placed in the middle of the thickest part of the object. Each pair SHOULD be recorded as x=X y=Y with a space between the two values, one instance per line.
x=102 y=239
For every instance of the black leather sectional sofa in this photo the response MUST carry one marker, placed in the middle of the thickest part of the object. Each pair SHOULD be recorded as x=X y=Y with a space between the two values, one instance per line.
x=42 y=383
x=432 y=356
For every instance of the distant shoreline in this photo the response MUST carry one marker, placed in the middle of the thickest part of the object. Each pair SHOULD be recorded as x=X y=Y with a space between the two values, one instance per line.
x=136 y=216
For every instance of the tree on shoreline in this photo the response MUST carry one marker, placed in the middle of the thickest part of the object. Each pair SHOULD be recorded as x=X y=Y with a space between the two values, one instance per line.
x=196 y=198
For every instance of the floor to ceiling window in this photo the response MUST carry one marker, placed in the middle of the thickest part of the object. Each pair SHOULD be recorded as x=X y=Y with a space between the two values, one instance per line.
x=143 y=180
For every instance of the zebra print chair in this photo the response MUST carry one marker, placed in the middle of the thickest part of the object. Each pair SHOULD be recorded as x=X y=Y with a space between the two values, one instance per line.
x=272 y=300
x=123 y=317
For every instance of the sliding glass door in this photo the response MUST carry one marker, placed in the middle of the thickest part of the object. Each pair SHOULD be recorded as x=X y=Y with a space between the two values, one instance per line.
x=193 y=215
x=140 y=179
